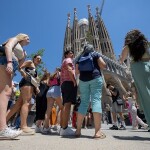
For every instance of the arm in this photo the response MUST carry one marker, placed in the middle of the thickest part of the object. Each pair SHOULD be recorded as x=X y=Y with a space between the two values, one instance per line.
x=71 y=73
x=8 y=50
x=101 y=63
x=124 y=54
x=25 y=64
x=76 y=69
x=113 y=92
x=124 y=98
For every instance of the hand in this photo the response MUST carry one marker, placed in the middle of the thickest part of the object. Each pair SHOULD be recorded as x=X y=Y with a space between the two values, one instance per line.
x=9 y=68
x=37 y=90
x=75 y=83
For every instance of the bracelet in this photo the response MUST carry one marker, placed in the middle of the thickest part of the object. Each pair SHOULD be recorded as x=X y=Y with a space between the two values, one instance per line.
x=9 y=62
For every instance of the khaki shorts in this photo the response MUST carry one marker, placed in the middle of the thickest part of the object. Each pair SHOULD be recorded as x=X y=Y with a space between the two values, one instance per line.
x=116 y=108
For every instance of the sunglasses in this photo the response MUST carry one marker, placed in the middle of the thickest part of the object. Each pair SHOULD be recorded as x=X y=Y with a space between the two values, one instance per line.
x=39 y=58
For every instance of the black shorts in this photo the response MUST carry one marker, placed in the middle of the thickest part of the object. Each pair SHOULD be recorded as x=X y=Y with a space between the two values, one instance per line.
x=25 y=82
x=69 y=92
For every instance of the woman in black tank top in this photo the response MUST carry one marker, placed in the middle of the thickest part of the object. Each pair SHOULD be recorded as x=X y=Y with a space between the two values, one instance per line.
x=28 y=71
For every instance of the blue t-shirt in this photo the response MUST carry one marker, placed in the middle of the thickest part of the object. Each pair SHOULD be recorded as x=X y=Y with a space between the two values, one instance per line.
x=90 y=75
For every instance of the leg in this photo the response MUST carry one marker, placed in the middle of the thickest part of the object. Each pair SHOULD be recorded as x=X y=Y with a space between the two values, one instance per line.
x=97 y=123
x=50 y=103
x=85 y=98
x=5 y=93
x=66 y=114
x=59 y=103
x=133 y=115
x=114 y=118
x=96 y=94
x=14 y=109
x=80 y=118
x=4 y=96
x=26 y=94
x=86 y=121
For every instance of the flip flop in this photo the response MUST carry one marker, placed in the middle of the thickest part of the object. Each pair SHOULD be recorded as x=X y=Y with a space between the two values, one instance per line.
x=101 y=136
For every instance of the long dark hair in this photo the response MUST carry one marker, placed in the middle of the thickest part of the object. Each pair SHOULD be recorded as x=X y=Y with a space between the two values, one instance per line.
x=137 y=44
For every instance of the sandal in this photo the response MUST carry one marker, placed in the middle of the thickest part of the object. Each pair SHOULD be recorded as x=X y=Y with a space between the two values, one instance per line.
x=101 y=136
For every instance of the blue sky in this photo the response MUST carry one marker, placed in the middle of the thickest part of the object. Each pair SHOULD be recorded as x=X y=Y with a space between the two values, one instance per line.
x=45 y=21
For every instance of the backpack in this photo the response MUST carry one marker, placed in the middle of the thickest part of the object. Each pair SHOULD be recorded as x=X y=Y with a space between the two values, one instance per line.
x=86 y=63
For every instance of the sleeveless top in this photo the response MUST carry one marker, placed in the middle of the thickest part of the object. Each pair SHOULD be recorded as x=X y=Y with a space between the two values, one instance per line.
x=55 y=81
x=32 y=71
x=17 y=50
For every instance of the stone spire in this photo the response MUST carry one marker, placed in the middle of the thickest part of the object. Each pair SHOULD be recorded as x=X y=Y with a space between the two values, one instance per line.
x=68 y=21
x=93 y=31
x=67 y=39
x=105 y=41
x=76 y=44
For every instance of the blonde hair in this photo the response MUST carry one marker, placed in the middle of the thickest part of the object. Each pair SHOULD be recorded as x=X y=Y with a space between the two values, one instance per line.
x=21 y=36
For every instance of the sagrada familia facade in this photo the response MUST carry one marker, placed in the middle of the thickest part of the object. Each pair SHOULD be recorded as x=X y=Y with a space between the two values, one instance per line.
x=93 y=30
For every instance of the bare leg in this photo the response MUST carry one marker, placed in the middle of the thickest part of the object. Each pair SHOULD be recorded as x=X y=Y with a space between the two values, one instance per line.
x=4 y=96
x=114 y=117
x=50 y=103
x=97 y=123
x=59 y=103
x=26 y=93
x=66 y=114
x=5 y=92
x=14 y=109
x=86 y=121
x=80 y=119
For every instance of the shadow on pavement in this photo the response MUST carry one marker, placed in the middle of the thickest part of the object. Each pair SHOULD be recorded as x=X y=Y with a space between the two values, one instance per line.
x=82 y=136
x=134 y=138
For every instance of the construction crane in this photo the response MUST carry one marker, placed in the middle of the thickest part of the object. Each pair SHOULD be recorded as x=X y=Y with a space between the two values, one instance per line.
x=101 y=8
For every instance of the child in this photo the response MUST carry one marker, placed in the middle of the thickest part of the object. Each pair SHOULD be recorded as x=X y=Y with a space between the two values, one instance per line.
x=133 y=111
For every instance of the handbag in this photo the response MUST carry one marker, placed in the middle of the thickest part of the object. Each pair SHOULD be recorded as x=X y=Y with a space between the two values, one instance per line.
x=33 y=80
x=119 y=101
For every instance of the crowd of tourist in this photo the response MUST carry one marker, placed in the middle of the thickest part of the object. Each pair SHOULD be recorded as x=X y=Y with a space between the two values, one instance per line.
x=73 y=99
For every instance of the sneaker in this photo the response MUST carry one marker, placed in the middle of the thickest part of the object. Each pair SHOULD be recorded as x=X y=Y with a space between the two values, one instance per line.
x=67 y=131
x=55 y=128
x=122 y=128
x=27 y=131
x=145 y=126
x=113 y=127
x=9 y=133
x=135 y=128
x=46 y=130
x=38 y=129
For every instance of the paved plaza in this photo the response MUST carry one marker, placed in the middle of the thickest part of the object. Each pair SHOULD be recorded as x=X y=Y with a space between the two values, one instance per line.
x=115 y=140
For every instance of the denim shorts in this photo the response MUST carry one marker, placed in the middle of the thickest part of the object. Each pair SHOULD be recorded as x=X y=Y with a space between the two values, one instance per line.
x=54 y=92
x=3 y=61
